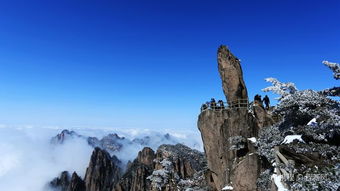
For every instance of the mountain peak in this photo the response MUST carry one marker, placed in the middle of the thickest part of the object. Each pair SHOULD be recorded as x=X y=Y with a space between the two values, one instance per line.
x=229 y=67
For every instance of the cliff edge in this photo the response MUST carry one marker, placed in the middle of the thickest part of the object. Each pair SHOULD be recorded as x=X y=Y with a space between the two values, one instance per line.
x=226 y=133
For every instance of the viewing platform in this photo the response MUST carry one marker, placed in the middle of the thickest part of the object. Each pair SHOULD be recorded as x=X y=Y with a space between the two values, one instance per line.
x=215 y=106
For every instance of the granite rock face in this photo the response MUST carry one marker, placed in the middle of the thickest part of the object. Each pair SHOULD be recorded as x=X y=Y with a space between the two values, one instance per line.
x=76 y=183
x=146 y=156
x=225 y=133
x=67 y=183
x=227 y=148
x=135 y=178
x=103 y=171
x=231 y=74
x=62 y=182
x=170 y=168
x=263 y=118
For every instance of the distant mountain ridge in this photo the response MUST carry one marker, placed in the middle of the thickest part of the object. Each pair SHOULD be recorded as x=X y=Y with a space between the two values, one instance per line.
x=112 y=142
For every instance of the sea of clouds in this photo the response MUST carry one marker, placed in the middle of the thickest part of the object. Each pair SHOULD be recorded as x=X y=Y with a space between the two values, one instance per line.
x=28 y=161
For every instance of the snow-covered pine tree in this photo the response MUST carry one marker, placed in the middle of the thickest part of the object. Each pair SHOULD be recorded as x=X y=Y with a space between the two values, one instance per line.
x=280 y=88
x=335 y=91
x=315 y=118
x=335 y=67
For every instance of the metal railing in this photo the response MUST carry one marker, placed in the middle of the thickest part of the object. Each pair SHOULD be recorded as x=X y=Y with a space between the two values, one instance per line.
x=239 y=103
x=215 y=106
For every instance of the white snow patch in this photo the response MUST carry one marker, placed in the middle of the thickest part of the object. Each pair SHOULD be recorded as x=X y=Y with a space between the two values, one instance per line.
x=160 y=172
x=290 y=138
x=252 y=139
x=278 y=183
x=166 y=163
x=312 y=123
x=228 y=188
x=185 y=182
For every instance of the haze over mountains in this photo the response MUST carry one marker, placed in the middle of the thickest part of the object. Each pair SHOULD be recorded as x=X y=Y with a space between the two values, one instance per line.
x=32 y=153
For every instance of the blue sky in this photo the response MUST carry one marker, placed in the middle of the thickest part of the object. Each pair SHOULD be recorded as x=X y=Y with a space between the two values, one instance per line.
x=150 y=64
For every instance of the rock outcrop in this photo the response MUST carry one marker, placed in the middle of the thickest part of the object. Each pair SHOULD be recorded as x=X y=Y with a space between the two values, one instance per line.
x=171 y=168
x=231 y=156
x=103 y=171
x=262 y=116
x=62 y=182
x=135 y=178
x=67 y=183
x=177 y=167
x=102 y=174
x=76 y=183
x=227 y=149
x=63 y=136
x=231 y=74
x=110 y=142
x=146 y=156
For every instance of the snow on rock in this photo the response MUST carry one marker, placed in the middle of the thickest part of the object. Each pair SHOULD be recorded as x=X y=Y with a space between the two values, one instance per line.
x=166 y=163
x=290 y=138
x=161 y=177
x=278 y=183
x=161 y=172
x=228 y=188
x=312 y=123
x=252 y=139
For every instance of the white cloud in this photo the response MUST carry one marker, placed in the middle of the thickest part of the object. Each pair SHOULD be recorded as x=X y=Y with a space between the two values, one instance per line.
x=28 y=161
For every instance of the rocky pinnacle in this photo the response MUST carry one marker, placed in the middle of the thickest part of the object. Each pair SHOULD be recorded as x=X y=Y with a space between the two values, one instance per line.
x=231 y=158
x=231 y=74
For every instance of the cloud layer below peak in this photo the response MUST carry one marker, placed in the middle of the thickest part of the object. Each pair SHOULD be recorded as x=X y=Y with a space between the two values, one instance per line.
x=28 y=161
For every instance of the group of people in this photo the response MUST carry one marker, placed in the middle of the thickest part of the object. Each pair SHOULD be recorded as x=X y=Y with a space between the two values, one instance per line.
x=213 y=105
x=260 y=101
